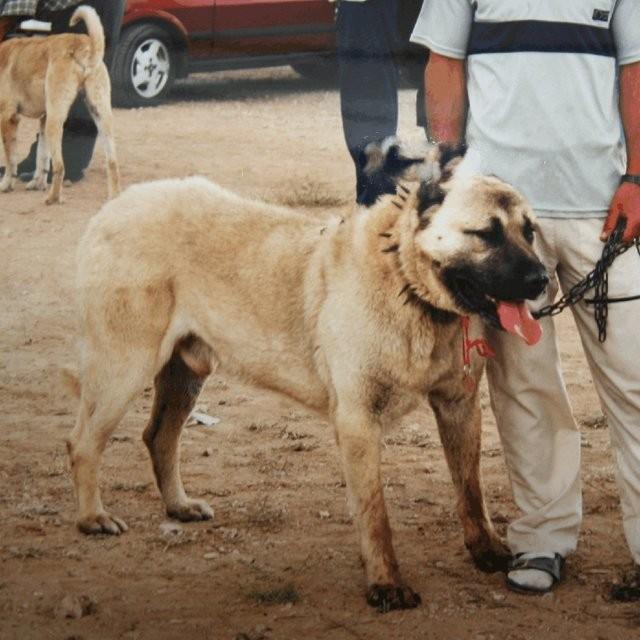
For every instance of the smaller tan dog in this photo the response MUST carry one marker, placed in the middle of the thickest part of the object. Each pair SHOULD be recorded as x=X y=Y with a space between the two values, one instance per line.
x=40 y=77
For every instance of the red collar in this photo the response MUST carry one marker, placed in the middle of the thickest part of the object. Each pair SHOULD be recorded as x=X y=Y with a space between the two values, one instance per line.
x=480 y=344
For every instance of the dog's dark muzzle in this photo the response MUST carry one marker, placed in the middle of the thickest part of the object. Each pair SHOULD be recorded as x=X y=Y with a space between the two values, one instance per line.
x=535 y=282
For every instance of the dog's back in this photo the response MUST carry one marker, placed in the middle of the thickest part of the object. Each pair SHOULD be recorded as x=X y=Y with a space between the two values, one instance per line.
x=42 y=76
x=208 y=262
x=28 y=60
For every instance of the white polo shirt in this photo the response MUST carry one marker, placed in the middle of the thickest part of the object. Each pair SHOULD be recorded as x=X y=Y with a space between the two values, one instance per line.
x=543 y=95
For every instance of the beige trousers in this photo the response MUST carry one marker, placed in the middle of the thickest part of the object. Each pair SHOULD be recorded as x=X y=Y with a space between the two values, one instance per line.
x=540 y=437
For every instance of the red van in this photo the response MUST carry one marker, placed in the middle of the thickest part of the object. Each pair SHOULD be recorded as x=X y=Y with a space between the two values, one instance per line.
x=162 y=40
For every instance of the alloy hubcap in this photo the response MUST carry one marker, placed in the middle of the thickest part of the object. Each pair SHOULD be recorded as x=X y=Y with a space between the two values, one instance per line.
x=150 y=68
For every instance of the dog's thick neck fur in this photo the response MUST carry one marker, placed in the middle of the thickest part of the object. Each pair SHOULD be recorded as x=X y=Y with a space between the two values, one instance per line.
x=394 y=220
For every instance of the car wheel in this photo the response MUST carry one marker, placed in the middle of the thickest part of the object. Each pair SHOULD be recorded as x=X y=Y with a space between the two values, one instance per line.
x=143 y=68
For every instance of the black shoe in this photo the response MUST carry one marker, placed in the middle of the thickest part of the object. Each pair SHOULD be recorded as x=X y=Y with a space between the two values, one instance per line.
x=629 y=589
x=73 y=175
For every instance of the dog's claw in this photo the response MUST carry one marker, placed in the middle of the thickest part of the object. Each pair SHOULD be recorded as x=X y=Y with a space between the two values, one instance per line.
x=103 y=523
x=192 y=510
x=386 y=597
x=492 y=559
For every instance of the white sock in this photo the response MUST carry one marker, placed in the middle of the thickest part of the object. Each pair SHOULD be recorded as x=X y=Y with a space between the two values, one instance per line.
x=532 y=578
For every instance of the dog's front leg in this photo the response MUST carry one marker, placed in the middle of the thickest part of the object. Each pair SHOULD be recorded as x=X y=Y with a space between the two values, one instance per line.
x=359 y=439
x=459 y=423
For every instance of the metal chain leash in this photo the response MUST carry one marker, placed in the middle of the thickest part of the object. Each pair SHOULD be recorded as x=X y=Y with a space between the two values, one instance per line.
x=598 y=280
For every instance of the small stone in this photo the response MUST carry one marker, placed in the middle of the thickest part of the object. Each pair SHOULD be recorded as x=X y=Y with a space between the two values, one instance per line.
x=498 y=597
x=230 y=534
x=211 y=555
x=170 y=529
x=207 y=453
x=324 y=515
x=75 y=607
x=548 y=599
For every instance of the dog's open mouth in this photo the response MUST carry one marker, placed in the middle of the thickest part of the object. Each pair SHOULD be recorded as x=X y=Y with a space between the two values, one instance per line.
x=512 y=316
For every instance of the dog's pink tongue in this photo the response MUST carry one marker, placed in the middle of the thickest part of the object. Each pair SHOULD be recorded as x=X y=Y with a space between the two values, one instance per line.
x=517 y=319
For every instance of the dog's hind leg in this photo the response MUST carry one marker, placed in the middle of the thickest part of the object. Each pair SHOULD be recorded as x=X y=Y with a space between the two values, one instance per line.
x=39 y=181
x=98 y=96
x=359 y=438
x=8 y=129
x=53 y=133
x=177 y=386
x=459 y=423
x=60 y=94
x=109 y=382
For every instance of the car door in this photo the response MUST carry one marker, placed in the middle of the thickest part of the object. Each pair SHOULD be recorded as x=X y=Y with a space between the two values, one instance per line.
x=193 y=18
x=272 y=27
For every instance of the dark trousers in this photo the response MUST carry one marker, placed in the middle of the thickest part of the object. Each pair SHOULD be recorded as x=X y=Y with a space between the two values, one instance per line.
x=372 y=42
x=80 y=131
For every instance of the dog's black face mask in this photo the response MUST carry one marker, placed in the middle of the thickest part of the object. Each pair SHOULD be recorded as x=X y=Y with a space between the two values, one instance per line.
x=497 y=288
x=501 y=278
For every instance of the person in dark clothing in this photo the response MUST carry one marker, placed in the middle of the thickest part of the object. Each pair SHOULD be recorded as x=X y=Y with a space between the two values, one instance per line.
x=80 y=132
x=373 y=52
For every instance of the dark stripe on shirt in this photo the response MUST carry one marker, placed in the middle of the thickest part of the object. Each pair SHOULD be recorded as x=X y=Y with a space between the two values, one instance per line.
x=539 y=35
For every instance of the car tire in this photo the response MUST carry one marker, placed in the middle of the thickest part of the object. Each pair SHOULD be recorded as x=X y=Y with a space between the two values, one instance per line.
x=324 y=70
x=144 y=66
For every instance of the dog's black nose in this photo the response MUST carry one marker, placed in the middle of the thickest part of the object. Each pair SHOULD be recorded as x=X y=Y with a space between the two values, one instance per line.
x=536 y=282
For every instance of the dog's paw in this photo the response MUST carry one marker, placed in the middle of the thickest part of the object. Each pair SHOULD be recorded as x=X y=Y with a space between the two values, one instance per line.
x=5 y=187
x=36 y=185
x=102 y=523
x=53 y=200
x=191 y=510
x=386 y=597
x=492 y=557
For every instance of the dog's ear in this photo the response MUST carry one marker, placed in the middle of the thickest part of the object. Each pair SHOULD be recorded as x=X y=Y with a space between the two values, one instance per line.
x=387 y=157
x=385 y=165
x=449 y=157
x=430 y=193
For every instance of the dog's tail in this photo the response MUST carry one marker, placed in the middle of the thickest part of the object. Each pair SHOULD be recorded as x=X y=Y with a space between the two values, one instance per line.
x=71 y=381
x=89 y=16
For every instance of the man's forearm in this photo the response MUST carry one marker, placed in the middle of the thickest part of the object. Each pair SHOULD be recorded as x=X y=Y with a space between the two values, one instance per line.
x=629 y=101
x=446 y=98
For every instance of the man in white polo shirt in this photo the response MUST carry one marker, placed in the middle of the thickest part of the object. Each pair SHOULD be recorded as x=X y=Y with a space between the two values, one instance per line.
x=547 y=95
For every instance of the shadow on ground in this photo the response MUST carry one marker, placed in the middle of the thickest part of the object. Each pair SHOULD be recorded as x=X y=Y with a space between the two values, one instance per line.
x=249 y=85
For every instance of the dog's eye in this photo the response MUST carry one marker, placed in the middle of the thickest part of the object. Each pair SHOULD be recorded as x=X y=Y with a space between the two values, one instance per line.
x=528 y=231
x=493 y=236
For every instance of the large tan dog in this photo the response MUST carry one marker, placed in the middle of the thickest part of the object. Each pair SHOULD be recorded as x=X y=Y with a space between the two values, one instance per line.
x=357 y=318
x=40 y=77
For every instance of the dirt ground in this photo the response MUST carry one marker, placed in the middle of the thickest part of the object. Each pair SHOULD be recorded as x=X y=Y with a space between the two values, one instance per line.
x=280 y=559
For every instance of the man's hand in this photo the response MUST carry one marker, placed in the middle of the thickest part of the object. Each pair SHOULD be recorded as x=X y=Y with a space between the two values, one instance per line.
x=625 y=204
